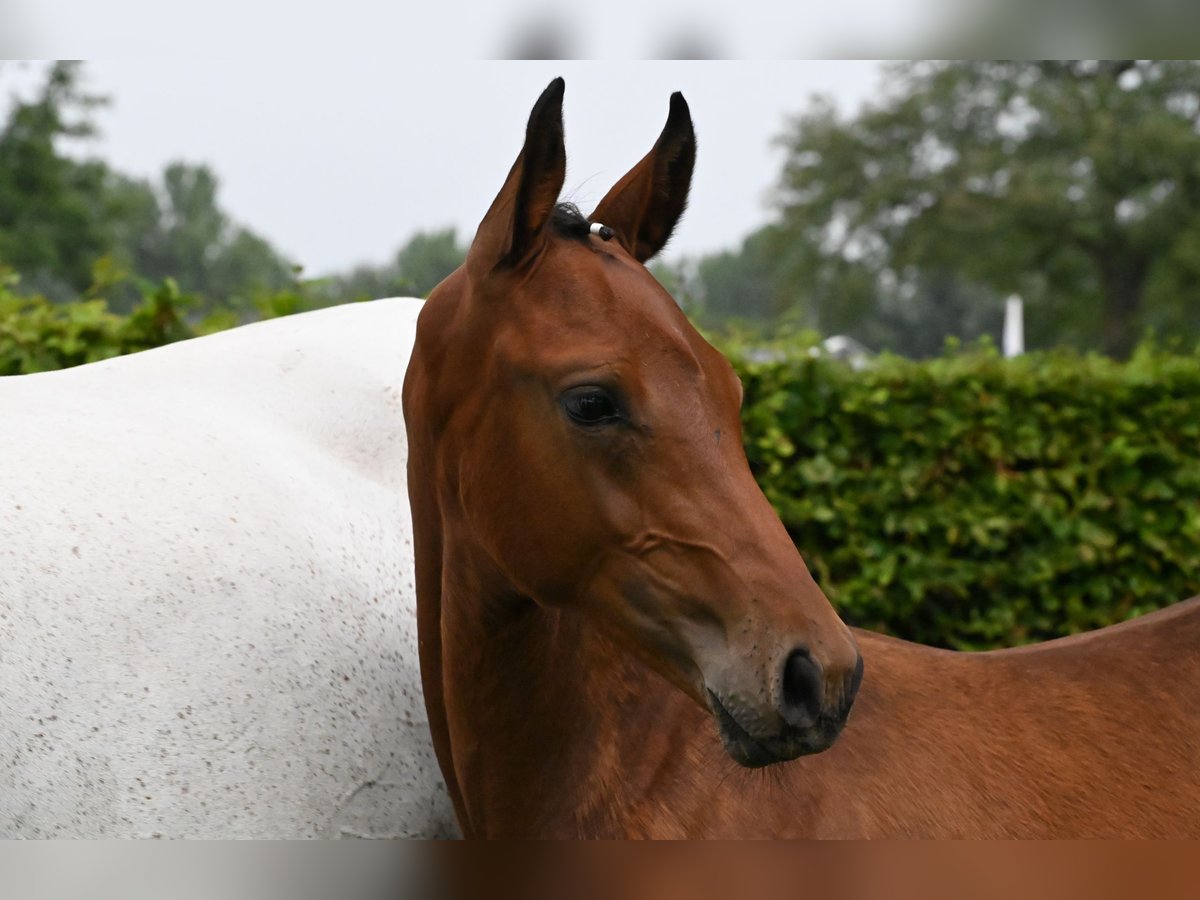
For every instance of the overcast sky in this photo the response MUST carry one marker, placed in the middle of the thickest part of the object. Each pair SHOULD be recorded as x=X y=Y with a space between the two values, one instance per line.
x=340 y=162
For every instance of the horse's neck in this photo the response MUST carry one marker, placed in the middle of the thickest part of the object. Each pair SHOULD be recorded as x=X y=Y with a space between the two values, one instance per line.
x=557 y=732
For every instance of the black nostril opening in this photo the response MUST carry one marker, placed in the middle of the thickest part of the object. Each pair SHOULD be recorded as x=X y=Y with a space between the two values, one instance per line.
x=803 y=689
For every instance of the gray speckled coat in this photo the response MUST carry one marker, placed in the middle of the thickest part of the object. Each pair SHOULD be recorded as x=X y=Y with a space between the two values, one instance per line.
x=206 y=590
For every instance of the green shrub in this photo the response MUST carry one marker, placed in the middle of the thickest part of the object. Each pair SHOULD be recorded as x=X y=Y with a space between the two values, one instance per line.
x=37 y=335
x=967 y=502
x=973 y=501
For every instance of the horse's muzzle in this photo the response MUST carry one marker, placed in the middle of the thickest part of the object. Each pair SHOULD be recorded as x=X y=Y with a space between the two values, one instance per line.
x=805 y=727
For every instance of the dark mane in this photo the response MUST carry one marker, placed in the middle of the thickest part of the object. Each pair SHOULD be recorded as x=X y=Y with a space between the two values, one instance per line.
x=569 y=222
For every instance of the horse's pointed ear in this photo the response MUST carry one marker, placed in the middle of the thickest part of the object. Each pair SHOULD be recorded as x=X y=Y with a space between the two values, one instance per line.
x=514 y=226
x=644 y=206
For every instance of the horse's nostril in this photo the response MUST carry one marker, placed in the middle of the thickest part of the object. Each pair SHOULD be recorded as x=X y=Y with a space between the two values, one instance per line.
x=803 y=689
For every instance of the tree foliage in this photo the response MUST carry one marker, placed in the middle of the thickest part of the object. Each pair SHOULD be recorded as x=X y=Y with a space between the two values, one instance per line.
x=1076 y=185
x=417 y=268
x=179 y=230
x=60 y=215
x=53 y=210
x=744 y=284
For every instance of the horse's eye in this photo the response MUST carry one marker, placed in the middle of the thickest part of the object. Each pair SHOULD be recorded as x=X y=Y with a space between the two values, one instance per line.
x=591 y=405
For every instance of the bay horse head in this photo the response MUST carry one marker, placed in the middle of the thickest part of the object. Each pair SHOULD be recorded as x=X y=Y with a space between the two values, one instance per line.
x=575 y=446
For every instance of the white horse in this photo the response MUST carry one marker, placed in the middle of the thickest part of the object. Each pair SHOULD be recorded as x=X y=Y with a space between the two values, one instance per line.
x=207 y=614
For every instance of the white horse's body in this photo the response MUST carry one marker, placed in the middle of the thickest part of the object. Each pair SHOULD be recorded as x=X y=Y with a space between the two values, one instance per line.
x=207 y=619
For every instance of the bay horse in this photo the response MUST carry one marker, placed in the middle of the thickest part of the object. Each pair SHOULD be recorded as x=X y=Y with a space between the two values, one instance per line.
x=616 y=633
x=207 y=611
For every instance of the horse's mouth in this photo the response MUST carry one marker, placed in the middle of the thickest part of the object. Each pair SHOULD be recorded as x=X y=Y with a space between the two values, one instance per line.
x=790 y=743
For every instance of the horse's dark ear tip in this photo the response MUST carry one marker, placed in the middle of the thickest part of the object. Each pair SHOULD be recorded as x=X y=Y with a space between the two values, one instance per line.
x=680 y=117
x=551 y=97
x=548 y=109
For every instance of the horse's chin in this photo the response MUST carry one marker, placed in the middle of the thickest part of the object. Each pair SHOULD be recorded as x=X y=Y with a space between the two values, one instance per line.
x=755 y=752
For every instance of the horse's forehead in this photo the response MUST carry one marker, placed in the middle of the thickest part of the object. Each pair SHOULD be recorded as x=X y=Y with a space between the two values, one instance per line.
x=601 y=299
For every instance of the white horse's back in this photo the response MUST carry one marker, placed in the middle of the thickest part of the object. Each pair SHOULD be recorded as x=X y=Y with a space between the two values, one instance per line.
x=206 y=590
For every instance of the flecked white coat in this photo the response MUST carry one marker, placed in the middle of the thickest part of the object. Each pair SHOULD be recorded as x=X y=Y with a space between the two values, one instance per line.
x=207 y=620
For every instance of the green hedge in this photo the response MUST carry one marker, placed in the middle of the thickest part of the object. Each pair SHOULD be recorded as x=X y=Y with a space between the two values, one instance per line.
x=976 y=502
x=966 y=502
x=39 y=336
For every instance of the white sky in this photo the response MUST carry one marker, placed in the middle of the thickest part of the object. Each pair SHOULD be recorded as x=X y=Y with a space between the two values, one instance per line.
x=340 y=162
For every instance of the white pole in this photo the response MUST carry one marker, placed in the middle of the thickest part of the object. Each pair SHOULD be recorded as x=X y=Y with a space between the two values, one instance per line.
x=1014 y=327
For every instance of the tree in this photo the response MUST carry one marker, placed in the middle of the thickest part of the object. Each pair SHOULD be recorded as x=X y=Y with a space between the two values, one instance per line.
x=429 y=257
x=742 y=284
x=1074 y=184
x=416 y=269
x=59 y=216
x=53 y=214
x=179 y=230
